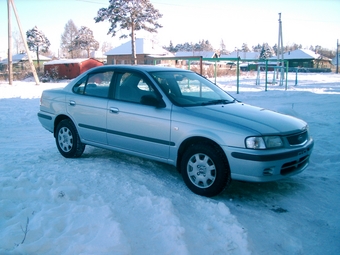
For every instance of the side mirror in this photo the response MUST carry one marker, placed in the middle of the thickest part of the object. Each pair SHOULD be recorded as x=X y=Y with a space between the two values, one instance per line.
x=152 y=101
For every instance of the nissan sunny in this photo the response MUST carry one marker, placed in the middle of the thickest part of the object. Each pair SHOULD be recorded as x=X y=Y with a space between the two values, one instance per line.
x=177 y=117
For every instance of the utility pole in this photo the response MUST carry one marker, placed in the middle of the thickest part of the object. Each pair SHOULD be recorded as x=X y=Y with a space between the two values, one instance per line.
x=337 y=56
x=280 y=51
x=9 y=58
x=25 y=43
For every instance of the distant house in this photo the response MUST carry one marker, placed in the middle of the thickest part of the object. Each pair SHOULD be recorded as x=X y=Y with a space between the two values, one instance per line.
x=70 y=68
x=20 y=61
x=190 y=54
x=147 y=53
x=306 y=59
x=203 y=54
x=243 y=55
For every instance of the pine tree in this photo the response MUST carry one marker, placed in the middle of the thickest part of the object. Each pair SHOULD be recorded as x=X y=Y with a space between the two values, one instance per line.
x=245 y=47
x=266 y=51
x=132 y=15
x=68 y=37
x=37 y=42
x=171 y=47
x=85 y=40
x=275 y=48
x=257 y=48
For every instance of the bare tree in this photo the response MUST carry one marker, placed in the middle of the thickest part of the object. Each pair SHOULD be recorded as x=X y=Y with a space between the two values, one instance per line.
x=132 y=15
x=18 y=42
x=223 y=49
x=68 y=37
x=106 y=46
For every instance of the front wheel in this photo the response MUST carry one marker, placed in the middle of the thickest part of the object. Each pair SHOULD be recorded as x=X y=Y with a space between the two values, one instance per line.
x=205 y=169
x=68 y=141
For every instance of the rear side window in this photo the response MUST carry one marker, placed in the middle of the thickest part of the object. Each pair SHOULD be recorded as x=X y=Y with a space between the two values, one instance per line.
x=96 y=84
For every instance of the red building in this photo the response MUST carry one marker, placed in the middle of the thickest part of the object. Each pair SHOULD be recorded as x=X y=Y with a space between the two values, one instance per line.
x=70 y=68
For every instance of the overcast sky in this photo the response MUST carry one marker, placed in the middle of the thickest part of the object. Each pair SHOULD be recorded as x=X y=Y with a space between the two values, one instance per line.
x=306 y=22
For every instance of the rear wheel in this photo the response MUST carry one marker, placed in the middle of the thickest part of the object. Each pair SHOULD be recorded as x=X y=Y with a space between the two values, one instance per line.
x=205 y=169
x=68 y=141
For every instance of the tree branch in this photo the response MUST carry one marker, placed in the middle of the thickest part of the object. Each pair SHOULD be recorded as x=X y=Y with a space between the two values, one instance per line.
x=26 y=230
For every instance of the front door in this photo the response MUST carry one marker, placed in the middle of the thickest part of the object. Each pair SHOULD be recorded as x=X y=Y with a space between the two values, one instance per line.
x=136 y=127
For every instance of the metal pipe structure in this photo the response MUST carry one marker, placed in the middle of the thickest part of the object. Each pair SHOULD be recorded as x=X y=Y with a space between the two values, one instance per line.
x=337 y=56
x=9 y=58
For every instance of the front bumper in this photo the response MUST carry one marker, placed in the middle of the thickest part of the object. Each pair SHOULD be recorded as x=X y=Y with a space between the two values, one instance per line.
x=268 y=165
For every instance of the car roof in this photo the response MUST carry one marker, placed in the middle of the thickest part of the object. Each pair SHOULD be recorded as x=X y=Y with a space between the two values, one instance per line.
x=145 y=68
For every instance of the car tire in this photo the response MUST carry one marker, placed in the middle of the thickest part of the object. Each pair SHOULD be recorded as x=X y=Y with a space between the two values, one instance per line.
x=205 y=169
x=67 y=140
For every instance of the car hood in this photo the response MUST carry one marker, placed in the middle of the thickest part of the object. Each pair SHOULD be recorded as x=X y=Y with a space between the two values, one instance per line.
x=249 y=117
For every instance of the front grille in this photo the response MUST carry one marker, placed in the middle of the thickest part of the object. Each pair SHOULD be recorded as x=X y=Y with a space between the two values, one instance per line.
x=297 y=139
x=294 y=165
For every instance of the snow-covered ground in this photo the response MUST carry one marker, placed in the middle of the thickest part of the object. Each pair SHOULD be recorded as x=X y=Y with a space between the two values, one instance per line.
x=111 y=203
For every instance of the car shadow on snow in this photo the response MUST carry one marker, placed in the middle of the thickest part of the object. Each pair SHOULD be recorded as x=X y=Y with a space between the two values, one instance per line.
x=238 y=192
x=266 y=195
x=122 y=161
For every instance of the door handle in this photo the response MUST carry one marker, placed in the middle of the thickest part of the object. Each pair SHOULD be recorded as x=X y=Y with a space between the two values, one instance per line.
x=72 y=103
x=114 y=110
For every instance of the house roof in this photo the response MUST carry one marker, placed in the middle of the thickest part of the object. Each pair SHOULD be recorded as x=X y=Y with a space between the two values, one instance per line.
x=301 y=54
x=143 y=46
x=204 y=54
x=242 y=55
x=23 y=57
x=66 y=61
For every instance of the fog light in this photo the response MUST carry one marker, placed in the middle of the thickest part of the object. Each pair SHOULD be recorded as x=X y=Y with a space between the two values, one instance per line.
x=268 y=171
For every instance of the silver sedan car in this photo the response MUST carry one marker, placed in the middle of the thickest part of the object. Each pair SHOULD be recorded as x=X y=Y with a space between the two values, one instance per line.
x=178 y=117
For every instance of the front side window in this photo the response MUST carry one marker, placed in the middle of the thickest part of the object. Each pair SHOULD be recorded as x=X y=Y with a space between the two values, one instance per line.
x=190 y=89
x=133 y=87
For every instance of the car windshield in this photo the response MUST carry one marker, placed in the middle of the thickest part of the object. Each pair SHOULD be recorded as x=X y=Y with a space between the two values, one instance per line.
x=190 y=89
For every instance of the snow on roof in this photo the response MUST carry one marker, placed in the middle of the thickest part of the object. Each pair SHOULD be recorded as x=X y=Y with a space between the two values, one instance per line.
x=66 y=61
x=242 y=55
x=301 y=54
x=204 y=54
x=23 y=57
x=143 y=46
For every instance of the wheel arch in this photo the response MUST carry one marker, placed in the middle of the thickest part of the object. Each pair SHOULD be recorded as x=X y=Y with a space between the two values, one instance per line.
x=57 y=120
x=195 y=140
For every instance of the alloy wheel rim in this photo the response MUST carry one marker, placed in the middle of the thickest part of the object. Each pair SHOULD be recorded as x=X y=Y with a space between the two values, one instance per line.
x=201 y=170
x=65 y=139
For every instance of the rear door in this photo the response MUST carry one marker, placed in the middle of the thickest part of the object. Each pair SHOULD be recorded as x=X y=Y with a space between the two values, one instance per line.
x=88 y=106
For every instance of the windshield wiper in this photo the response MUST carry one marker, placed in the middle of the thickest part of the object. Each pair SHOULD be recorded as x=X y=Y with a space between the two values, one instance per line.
x=218 y=101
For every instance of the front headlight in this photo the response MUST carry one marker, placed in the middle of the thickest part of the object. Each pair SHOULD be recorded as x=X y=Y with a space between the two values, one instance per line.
x=255 y=143
x=273 y=141
x=265 y=142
